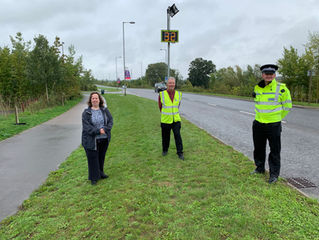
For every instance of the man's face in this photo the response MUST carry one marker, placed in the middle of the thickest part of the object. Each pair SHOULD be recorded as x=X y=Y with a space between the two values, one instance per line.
x=268 y=77
x=170 y=84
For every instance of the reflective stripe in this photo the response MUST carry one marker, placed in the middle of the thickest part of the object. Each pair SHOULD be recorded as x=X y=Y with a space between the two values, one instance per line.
x=286 y=109
x=268 y=111
x=165 y=113
x=271 y=99
x=171 y=106
x=268 y=103
x=268 y=93
x=180 y=98
x=258 y=94
x=277 y=92
x=288 y=101
x=163 y=98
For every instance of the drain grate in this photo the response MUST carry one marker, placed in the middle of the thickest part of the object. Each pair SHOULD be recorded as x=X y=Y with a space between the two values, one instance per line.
x=301 y=182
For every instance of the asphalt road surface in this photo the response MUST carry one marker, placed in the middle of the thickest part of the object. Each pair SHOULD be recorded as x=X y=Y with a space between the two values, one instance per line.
x=27 y=158
x=230 y=121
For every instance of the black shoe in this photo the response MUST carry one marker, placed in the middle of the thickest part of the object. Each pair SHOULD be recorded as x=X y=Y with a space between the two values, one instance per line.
x=164 y=153
x=93 y=182
x=257 y=172
x=272 y=180
x=103 y=176
x=181 y=156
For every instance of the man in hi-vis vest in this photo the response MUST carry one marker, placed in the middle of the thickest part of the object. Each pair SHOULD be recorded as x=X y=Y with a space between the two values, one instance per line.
x=168 y=103
x=272 y=104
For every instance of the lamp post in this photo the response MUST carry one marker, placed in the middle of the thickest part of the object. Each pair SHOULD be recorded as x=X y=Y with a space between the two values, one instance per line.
x=171 y=11
x=124 y=53
x=116 y=76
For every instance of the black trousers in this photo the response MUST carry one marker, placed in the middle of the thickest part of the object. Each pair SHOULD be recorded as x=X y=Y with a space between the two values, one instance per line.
x=96 y=159
x=261 y=133
x=166 y=136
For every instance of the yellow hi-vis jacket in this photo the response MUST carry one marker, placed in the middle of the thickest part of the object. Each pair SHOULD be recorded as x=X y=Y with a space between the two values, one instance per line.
x=272 y=103
x=170 y=110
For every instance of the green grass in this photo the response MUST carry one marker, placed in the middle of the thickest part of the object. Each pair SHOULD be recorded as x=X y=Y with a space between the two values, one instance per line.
x=109 y=89
x=7 y=123
x=306 y=104
x=210 y=195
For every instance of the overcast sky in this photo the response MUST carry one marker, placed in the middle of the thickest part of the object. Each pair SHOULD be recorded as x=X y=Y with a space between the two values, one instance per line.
x=228 y=32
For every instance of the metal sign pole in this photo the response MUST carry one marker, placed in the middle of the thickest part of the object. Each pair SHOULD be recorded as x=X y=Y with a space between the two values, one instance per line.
x=168 y=46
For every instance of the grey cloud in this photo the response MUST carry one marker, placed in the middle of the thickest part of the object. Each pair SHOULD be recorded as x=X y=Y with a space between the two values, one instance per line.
x=227 y=32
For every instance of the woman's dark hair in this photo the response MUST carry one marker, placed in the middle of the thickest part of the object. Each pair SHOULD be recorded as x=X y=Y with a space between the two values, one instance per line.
x=100 y=97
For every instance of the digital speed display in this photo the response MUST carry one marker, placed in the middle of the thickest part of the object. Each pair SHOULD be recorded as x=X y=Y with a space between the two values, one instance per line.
x=169 y=36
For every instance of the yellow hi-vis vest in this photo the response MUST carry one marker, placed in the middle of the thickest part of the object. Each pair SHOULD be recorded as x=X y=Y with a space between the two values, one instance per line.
x=170 y=110
x=272 y=103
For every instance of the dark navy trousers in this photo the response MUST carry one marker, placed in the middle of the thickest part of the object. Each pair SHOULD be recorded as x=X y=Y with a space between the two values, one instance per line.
x=261 y=133
x=166 y=136
x=96 y=159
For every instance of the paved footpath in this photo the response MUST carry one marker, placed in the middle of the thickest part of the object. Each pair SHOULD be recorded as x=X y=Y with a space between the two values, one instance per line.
x=27 y=158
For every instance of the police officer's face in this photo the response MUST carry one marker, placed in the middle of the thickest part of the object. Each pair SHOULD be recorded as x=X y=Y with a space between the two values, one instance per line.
x=170 y=84
x=268 y=77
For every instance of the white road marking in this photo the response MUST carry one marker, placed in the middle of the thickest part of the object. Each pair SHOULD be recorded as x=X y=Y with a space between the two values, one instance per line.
x=254 y=115
x=212 y=104
x=247 y=113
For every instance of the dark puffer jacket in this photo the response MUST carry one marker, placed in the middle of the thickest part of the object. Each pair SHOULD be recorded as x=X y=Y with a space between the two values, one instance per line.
x=89 y=131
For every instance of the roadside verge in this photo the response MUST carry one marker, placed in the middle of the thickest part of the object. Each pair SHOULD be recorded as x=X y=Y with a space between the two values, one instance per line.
x=210 y=195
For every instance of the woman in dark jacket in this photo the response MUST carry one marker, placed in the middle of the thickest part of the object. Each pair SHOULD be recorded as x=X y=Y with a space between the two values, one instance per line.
x=97 y=123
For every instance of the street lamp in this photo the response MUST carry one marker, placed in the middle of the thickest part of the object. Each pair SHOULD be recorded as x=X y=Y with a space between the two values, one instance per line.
x=116 y=76
x=124 y=52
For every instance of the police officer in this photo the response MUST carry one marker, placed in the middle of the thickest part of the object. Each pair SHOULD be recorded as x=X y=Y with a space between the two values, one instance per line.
x=272 y=104
x=168 y=103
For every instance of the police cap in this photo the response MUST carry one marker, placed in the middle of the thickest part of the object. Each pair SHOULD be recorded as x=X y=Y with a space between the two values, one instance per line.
x=269 y=68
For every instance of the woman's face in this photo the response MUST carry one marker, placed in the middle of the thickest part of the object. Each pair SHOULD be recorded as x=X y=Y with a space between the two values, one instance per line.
x=95 y=100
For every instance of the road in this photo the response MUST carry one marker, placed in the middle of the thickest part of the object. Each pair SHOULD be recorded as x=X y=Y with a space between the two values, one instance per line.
x=230 y=121
x=27 y=158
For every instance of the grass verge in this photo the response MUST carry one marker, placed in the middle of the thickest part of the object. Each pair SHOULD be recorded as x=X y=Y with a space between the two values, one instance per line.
x=7 y=123
x=111 y=89
x=210 y=195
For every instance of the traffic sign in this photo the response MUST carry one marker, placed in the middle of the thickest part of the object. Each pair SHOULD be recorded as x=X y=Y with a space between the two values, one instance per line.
x=169 y=36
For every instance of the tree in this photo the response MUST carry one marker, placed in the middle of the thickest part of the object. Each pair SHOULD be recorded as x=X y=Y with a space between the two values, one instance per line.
x=87 y=81
x=6 y=83
x=313 y=46
x=43 y=66
x=288 y=68
x=156 y=72
x=199 y=72
x=20 y=85
x=178 y=78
